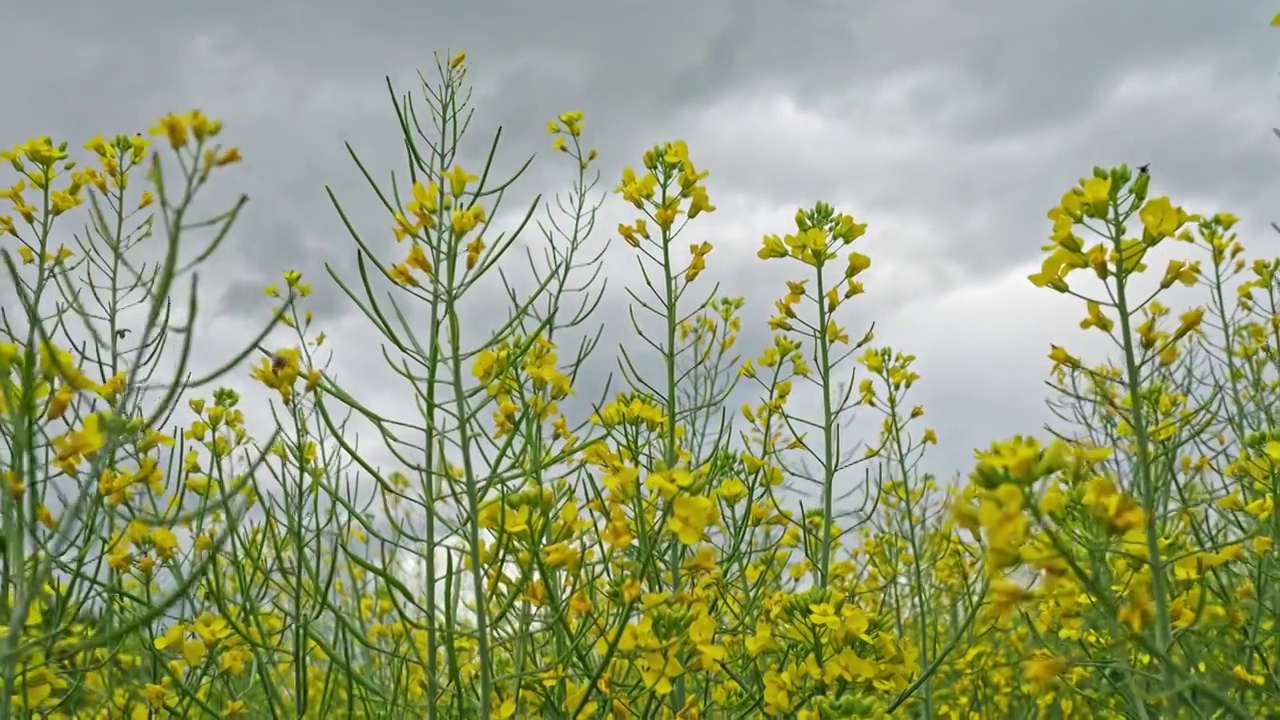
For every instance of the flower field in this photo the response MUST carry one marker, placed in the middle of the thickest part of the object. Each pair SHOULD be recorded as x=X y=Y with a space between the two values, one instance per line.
x=512 y=548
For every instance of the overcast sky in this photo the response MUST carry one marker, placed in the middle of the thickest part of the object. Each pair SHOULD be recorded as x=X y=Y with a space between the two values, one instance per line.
x=949 y=127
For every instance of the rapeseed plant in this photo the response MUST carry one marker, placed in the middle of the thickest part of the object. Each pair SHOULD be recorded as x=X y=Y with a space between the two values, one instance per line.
x=518 y=558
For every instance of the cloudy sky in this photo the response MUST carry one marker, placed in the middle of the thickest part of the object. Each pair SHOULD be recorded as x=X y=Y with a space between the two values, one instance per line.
x=949 y=127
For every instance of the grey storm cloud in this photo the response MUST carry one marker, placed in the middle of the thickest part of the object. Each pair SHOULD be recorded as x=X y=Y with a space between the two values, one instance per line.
x=950 y=127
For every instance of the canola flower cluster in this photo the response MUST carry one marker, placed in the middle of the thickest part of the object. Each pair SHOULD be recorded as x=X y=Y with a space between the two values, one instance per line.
x=511 y=556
